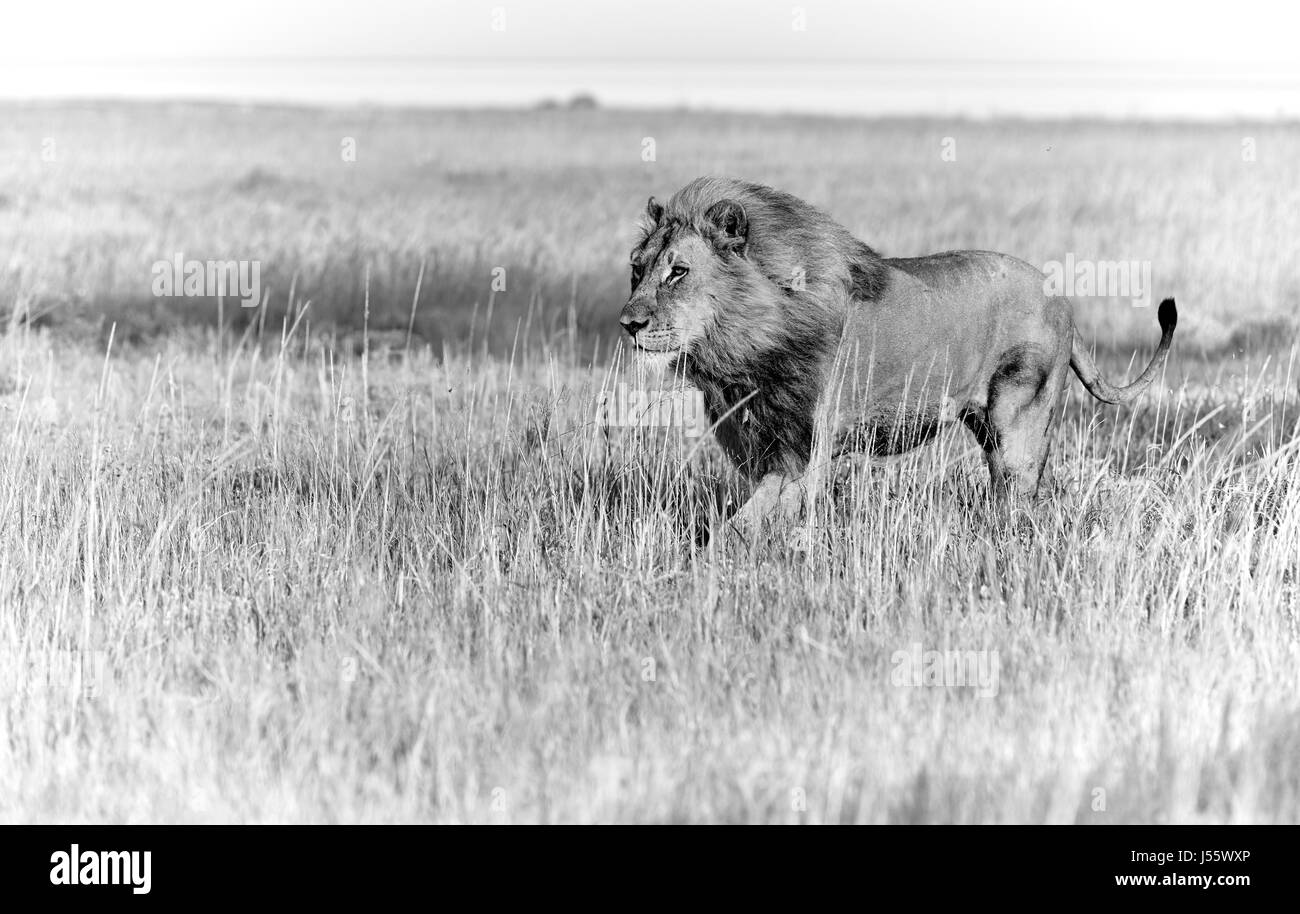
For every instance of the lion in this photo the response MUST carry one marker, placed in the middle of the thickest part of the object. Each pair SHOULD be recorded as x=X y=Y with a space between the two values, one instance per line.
x=791 y=326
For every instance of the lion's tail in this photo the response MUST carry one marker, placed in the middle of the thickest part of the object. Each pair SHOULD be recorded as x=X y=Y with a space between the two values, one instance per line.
x=1102 y=389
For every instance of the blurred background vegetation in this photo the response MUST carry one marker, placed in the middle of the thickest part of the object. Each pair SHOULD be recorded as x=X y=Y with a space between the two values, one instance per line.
x=552 y=195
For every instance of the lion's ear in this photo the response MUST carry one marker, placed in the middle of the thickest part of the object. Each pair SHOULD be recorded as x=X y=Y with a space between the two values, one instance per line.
x=729 y=218
x=654 y=211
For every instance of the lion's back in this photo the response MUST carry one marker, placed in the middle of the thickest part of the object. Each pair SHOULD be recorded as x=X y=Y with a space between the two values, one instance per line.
x=950 y=267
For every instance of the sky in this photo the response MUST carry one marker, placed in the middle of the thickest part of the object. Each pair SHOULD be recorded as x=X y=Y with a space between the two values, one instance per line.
x=1139 y=58
x=1241 y=33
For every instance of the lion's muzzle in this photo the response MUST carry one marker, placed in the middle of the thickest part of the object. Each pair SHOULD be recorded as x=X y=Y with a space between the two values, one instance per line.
x=633 y=325
x=635 y=316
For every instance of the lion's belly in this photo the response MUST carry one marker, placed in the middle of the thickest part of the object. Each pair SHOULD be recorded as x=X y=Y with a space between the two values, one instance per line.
x=932 y=341
x=888 y=433
x=899 y=377
x=923 y=355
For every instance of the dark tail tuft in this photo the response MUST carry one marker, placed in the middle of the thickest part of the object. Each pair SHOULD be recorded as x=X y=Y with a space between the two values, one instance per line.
x=1083 y=365
x=1168 y=316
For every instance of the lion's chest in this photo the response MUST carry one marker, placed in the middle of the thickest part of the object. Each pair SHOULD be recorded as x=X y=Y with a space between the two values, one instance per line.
x=763 y=432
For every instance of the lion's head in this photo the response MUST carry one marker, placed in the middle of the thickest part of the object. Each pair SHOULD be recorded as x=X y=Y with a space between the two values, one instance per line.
x=741 y=290
x=733 y=269
x=682 y=273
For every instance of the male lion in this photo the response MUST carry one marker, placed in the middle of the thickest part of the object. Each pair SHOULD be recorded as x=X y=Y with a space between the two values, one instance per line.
x=778 y=314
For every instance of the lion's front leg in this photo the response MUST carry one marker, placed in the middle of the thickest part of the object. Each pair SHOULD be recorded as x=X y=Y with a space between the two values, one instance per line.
x=777 y=495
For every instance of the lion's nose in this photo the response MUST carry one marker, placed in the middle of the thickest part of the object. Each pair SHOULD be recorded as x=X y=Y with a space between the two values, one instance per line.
x=633 y=325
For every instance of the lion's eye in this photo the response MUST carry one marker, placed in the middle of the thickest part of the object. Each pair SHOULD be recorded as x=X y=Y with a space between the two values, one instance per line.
x=637 y=270
x=677 y=273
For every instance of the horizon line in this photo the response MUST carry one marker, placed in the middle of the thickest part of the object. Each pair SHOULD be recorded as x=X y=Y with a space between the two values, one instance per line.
x=1146 y=63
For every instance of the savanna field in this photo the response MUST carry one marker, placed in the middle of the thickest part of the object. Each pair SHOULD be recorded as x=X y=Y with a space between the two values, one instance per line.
x=365 y=554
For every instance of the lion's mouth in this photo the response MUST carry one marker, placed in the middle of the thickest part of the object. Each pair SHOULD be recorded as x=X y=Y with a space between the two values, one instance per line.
x=660 y=341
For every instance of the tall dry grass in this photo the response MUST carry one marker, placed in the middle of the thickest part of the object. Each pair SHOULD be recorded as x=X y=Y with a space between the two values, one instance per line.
x=329 y=587
x=325 y=577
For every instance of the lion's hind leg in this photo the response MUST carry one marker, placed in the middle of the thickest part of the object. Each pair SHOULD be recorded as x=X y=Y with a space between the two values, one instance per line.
x=1015 y=429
